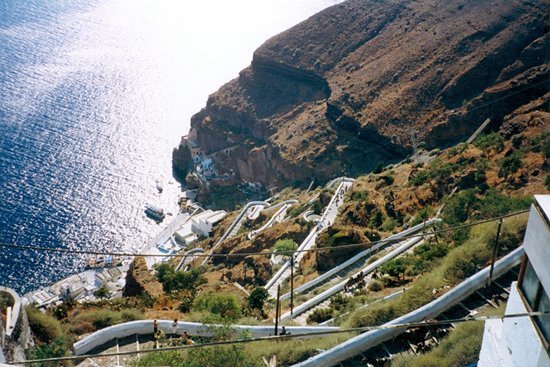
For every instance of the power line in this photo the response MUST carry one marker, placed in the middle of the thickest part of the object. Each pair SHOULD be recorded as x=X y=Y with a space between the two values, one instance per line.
x=260 y=253
x=425 y=323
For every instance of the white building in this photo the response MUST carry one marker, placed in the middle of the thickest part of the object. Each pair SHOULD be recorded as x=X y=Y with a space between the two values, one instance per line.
x=199 y=225
x=524 y=341
x=202 y=223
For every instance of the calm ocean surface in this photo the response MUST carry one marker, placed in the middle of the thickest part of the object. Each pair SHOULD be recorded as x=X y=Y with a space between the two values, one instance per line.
x=94 y=95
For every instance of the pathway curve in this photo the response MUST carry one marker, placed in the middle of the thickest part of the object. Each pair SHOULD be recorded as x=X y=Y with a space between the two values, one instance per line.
x=359 y=258
x=278 y=216
x=322 y=297
x=362 y=342
x=328 y=217
x=13 y=312
x=145 y=327
x=235 y=225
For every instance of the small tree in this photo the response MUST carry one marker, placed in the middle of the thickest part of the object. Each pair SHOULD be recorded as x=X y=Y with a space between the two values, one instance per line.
x=257 y=298
x=101 y=292
x=187 y=298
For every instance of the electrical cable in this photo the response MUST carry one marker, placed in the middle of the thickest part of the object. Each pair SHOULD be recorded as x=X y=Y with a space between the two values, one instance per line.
x=426 y=323
x=260 y=253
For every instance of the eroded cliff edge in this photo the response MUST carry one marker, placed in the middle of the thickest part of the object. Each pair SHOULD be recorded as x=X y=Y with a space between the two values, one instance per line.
x=344 y=89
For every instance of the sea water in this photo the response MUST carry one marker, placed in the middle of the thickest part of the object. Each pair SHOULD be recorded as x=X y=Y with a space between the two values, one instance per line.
x=94 y=95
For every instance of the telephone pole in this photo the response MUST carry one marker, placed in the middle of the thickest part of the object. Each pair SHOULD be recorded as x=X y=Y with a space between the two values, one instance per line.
x=415 y=144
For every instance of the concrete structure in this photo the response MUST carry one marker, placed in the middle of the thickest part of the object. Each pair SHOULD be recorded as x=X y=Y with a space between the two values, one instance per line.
x=12 y=313
x=328 y=217
x=325 y=295
x=277 y=217
x=348 y=263
x=145 y=327
x=525 y=341
x=363 y=342
x=233 y=227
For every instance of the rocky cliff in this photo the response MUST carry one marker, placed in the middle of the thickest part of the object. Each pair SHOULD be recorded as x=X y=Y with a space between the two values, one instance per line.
x=346 y=88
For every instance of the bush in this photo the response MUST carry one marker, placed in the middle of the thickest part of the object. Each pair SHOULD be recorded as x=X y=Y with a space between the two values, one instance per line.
x=460 y=262
x=510 y=164
x=490 y=140
x=460 y=348
x=285 y=246
x=103 y=318
x=547 y=182
x=375 y=285
x=339 y=302
x=257 y=298
x=187 y=298
x=225 y=305
x=56 y=348
x=378 y=168
x=470 y=203
x=101 y=292
x=361 y=195
x=44 y=326
x=179 y=280
x=320 y=314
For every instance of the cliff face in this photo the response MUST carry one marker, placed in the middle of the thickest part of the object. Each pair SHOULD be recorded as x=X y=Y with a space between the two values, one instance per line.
x=343 y=90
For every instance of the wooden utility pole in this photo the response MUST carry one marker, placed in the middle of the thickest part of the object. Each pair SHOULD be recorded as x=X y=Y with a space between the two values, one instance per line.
x=415 y=145
x=495 y=251
x=291 y=284
x=277 y=307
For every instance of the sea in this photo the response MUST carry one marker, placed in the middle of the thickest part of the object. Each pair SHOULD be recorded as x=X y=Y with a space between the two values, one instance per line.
x=94 y=96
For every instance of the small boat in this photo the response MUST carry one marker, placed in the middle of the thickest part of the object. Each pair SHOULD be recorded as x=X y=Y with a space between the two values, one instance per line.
x=155 y=212
x=159 y=186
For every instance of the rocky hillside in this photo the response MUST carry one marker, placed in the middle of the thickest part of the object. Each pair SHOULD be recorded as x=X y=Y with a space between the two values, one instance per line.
x=344 y=89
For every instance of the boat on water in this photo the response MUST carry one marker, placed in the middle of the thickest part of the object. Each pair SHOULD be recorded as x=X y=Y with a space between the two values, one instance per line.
x=154 y=212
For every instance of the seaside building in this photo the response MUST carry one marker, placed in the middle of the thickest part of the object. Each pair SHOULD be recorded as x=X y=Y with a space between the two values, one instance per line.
x=524 y=341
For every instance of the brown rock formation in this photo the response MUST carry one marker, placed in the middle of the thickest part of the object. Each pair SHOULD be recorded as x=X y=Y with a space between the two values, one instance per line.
x=342 y=90
x=140 y=280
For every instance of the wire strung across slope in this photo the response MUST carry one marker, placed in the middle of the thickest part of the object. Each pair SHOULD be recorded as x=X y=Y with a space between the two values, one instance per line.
x=426 y=323
x=261 y=253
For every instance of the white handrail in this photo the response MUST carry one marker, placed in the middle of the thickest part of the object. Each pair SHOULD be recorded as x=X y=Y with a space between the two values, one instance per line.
x=145 y=327
x=360 y=255
x=372 y=338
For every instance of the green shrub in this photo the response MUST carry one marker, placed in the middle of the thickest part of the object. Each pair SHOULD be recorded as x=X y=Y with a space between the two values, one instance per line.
x=361 y=195
x=179 y=280
x=338 y=302
x=377 y=219
x=285 y=246
x=58 y=347
x=226 y=305
x=376 y=285
x=493 y=140
x=320 y=314
x=459 y=263
x=510 y=164
x=103 y=318
x=378 y=168
x=44 y=326
x=257 y=298
x=460 y=348
x=186 y=298
x=471 y=203
x=547 y=182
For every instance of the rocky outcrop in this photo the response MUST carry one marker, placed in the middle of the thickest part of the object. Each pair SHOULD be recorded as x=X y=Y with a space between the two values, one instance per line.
x=344 y=89
x=140 y=280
